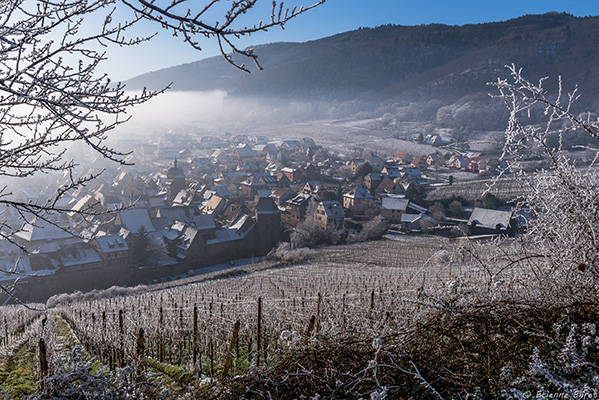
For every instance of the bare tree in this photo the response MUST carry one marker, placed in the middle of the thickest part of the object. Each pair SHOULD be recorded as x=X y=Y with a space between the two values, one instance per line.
x=561 y=247
x=216 y=19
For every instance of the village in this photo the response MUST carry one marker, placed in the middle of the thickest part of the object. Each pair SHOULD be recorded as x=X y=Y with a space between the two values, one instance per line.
x=189 y=203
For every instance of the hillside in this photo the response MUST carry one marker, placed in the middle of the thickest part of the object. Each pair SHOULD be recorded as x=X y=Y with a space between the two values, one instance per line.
x=433 y=66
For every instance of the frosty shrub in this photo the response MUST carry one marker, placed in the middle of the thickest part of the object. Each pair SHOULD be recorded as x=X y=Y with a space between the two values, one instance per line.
x=309 y=234
x=96 y=294
x=563 y=368
x=283 y=252
x=373 y=229
x=560 y=248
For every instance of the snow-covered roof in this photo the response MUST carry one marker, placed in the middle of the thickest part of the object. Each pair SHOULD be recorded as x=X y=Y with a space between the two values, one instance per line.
x=111 y=243
x=395 y=203
x=333 y=208
x=37 y=229
x=78 y=254
x=411 y=172
x=37 y=265
x=410 y=218
x=492 y=219
x=224 y=235
x=417 y=208
x=135 y=218
x=242 y=225
x=358 y=193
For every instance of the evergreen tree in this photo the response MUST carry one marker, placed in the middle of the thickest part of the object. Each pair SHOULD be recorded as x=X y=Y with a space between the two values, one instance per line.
x=140 y=246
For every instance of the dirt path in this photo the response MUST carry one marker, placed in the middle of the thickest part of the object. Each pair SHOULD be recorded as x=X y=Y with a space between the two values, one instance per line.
x=19 y=370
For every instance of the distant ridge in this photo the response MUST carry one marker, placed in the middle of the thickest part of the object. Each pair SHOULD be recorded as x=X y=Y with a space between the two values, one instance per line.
x=406 y=63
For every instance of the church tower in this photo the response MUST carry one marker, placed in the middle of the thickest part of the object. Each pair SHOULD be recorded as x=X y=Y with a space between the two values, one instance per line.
x=175 y=182
x=268 y=224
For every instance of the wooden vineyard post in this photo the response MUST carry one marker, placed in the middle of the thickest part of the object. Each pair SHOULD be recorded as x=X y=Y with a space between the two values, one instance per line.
x=122 y=344
x=161 y=341
x=211 y=359
x=180 y=345
x=227 y=367
x=371 y=304
x=310 y=328
x=195 y=336
x=318 y=312
x=43 y=362
x=258 y=331
x=343 y=311
x=141 y=347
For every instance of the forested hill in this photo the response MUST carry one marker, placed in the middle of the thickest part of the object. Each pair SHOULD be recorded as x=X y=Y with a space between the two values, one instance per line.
x=406 y=63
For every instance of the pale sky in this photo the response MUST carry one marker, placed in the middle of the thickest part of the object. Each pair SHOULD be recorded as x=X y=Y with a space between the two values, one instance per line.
x=334 y=17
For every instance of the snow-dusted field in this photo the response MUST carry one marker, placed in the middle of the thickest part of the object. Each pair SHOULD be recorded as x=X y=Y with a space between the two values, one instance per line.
x=344 y=137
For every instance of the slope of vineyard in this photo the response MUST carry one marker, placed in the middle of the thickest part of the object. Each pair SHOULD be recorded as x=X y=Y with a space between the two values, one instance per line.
x=504 y=188
x=383 y=318
x=360 y=291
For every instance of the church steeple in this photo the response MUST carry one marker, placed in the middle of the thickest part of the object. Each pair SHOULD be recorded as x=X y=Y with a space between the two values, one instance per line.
x=175 y=182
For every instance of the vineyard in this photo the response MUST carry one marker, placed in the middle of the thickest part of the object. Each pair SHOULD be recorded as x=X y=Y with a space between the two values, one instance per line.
x=339 y=326
x=504 y=188
x=199 y=333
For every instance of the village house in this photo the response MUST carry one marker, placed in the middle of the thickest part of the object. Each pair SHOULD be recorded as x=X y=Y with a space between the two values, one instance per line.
x=433 y=140
x=259 y=139
x=244 y=152
x=215 y=205
x=393 y=208
x=269 y=181
x=329 y=215
x=38 y=232
x=357 y=201
x=309 y=172
x=372 y=180
x=113 y=250
x=478 y=164
x=458 y=162
x=319 y=156
x=189 y=197
x=219 y=156
x=414 y=174
x=295 y=211
x=403 y=157
x=483 y=221
x=251 y=187
x=282 y=195
x=83 y=208
x=377 y=163
x=240 y=139
x=420 y=163
x=293 y=174
x=290 y=145
x=124 y=186
x=392 y=171
x=78 y=257
x=435 y=160
x=388 y=186
x=355 y=164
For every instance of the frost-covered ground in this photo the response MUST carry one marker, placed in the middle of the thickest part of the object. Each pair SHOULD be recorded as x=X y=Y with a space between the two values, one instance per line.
x=345 y=137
